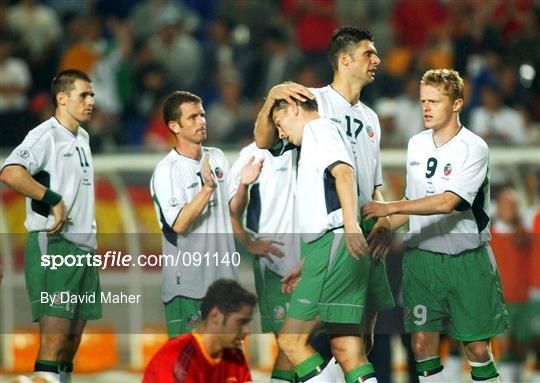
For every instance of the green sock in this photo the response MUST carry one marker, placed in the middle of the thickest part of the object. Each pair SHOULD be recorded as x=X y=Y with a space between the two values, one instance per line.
x=483 y=371
x=310 y=365
x=283 y=375
x=66 y=367
x=361 y=373
x=429 y=366
x=46 y=366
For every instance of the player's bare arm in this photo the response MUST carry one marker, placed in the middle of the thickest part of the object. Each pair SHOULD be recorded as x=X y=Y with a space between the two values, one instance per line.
x=348 y=199
x=266 y=134
x=192 y=210
x=380 y=238
x=17 y=178
x=443 y=203
x=257 y=247
x=250 y=174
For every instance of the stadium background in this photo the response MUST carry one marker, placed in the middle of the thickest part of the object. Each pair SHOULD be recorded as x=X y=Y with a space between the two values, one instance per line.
x=231 y=52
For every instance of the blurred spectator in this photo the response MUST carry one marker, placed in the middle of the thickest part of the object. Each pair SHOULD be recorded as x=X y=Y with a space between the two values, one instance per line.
x=158 y=136
x=147 y=17
x=314 y=23
x=248 y=19
x=15 y=78
x=219 y=52
x=308 y=76
x=386 y=111
x=495 y=122
x=229 y=117
x=280 y=59
x=179 y=52
x=409 y=119
x=37 y=24
x=415 y=31
x=511 y=246
x=85 y=52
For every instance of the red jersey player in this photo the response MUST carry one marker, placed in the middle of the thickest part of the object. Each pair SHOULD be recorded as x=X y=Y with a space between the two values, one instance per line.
x=212 y=353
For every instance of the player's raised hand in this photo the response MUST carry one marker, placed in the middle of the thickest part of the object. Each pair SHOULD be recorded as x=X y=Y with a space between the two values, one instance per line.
x=291 y=279
x=380 y=238
x=206 y=170
x=375 y=209
x=251 y=171
x=60 y=218
x=291 y=92
x=263 y=247
x=355 y=241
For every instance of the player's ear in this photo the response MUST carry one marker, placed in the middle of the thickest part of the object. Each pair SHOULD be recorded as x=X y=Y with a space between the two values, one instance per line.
x=174 y=127
x=458 y=105
x=215 y=316
x=61 y=98
x=344 y=59
x=295 y=109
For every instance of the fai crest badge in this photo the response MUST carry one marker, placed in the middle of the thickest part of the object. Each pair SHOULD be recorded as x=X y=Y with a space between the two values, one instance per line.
x=278 y=312
x=370 y=131
x=218 y=172
x=447 y=169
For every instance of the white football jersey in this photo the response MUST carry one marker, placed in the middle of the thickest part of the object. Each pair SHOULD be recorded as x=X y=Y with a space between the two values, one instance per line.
x=319 y=209
x=270 y=213
x=362 y=129
x=176 y=181
x=61 y=161
x=461 y=167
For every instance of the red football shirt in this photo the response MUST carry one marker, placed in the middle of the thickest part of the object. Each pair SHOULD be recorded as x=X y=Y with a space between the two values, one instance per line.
x=184 y=360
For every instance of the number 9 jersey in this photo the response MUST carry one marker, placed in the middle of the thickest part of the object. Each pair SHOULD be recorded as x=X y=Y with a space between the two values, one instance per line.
x=459 y=166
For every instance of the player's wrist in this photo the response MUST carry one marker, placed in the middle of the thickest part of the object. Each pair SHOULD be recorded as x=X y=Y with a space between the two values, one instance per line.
x=51 y=198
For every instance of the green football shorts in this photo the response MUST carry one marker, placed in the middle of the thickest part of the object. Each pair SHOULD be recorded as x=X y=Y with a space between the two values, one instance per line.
x=459 y=294
x=71 y=292
x=333 y=284
x=182 y=314
x=273 y=303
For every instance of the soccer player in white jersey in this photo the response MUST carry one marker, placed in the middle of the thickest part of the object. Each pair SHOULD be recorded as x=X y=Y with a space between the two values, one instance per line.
x=192 y=192
x=353 y=57
x=269 y=236
x=53 y=169
x=334 y=284
x=450 y=279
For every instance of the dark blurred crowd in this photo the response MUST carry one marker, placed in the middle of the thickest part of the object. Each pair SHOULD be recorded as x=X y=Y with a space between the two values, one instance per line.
x=231 y=52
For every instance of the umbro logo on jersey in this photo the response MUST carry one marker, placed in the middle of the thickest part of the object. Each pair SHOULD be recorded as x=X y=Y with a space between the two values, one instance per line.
x=414 y=163
x=336 y=120
x=283 y=169
x=192 y=185
x=304 y=301
x=68 y=155
x=23 y=153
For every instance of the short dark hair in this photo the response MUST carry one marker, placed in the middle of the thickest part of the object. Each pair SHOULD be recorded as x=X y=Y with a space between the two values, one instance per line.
x=308 y=105
x=65 y=80
x=171 y=106
x=344 y=40
x=228 y=296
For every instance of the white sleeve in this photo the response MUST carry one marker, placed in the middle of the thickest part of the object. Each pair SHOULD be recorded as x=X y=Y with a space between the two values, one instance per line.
x=408 y=173
x=169 y=192
x=329 y=145
x=470 y=174
x=378 y=170
x=33 y=153
x=236 y=170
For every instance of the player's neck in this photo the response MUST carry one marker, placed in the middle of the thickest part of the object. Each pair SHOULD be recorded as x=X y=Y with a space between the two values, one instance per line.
x=67 y=121
x=209 y=341
x=444 y=134
x=189 y=149
x=349 y=90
